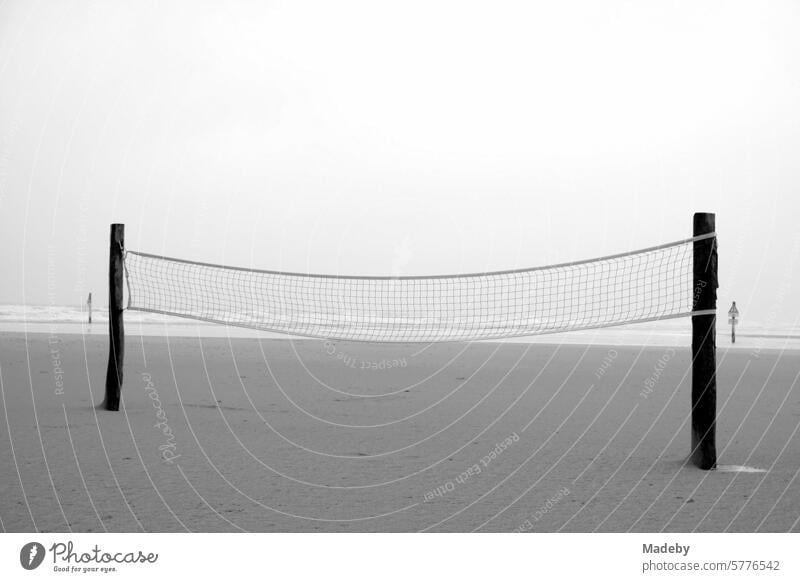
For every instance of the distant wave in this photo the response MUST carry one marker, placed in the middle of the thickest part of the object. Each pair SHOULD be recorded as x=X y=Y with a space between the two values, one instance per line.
x=68 y=314
x=770 y=335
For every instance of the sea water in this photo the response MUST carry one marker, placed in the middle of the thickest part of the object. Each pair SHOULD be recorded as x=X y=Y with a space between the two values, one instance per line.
x=64 y=319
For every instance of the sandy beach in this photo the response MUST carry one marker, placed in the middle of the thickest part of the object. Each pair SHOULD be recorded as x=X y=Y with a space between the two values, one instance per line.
x=223 y=434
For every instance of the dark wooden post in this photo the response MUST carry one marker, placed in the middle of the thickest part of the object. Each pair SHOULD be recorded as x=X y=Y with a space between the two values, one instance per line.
x=704 y=345
x=116 y=329
x=89 y=303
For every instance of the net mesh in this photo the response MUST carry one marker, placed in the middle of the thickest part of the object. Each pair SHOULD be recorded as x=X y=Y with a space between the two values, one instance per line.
x=645 y=285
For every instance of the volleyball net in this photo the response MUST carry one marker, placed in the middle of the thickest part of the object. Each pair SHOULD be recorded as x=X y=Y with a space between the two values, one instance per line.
x=645 y=285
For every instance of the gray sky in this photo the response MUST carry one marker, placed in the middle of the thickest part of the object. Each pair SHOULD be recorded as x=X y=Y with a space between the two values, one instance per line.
x=398 y=138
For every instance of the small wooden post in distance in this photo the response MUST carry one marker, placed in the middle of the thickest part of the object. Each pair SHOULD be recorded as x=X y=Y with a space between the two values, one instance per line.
x=116 y=329
x=704 y=345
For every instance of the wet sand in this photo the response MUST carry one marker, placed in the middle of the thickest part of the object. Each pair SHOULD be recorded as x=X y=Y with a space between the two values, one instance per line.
x=225 y=434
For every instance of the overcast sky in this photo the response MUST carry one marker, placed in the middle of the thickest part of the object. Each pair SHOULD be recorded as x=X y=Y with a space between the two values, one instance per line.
x=398 y=137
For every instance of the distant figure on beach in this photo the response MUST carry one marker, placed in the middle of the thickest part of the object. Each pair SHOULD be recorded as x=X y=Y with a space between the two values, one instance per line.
x=89 y=304
x=733 y=317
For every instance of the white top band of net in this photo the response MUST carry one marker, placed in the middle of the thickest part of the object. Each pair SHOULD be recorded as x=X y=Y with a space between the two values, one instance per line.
x=645 y=285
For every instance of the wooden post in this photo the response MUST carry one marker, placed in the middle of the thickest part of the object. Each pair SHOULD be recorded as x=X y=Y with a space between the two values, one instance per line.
x=89 y=303
x=116 y=329
x=704 y=346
